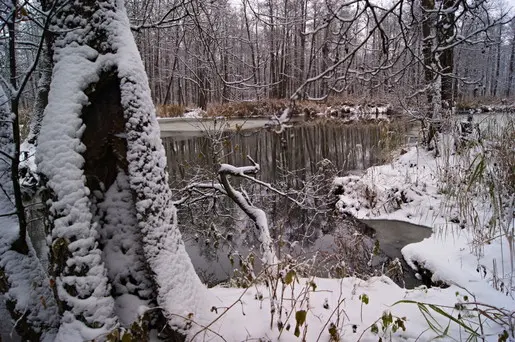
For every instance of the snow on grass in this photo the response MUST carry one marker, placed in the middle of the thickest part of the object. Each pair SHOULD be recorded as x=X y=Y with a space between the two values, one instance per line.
x=405 y=190
x=352 y=305
x=411 y=189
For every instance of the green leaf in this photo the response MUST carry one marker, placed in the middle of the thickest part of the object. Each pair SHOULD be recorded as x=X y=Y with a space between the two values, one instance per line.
x=377 y=248
x=288 y=279
x=364 y=298
x=400 y=323
x=313 y=285
x=387 y=319
x=333 y=332
x=430 y=320
x=300 y=317
x=478 y=171
x=503 y=337
x=297 y=331
x=452 y=318
x=127 y=337
x=374 y=329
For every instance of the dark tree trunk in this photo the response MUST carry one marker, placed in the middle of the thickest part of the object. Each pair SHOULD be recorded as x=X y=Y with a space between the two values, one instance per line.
x=447 y=55
x=427 y=47
x=19 y=244
x=497 y=62
x=512 y=61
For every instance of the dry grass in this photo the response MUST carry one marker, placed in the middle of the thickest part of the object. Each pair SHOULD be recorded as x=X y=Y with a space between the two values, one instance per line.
x=268 y=107
x=263 y=108
x=483 y=102
x=170 y=110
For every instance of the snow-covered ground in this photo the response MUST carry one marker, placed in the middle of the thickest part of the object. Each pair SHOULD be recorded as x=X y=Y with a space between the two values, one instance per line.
x=408 y=189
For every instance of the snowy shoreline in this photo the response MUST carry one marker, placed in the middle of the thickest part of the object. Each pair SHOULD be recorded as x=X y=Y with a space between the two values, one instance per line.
x=406 y=190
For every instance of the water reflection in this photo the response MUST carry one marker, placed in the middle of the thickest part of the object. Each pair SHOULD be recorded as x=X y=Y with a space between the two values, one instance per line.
x=300 y=148
x=301 y=161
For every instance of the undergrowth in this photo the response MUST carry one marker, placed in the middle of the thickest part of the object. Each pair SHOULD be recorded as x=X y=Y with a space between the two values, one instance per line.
x=477 y=177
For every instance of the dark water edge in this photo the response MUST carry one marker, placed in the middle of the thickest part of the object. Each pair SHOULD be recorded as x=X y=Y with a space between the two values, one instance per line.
x=393 y=235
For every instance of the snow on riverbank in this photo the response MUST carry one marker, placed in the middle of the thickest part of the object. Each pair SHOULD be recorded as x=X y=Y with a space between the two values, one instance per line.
x=408 y=190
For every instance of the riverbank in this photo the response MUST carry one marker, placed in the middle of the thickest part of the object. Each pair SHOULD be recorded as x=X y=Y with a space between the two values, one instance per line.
x=347 y=110
x=271 y=107
x=409 y=190
x=197 y=121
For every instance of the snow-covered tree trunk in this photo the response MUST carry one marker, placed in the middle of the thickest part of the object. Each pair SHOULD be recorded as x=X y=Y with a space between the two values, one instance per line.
x=99 y=148
x=180 y=291
x=24 y=287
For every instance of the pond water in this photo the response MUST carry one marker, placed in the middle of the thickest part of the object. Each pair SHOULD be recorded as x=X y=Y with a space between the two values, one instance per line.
x=393 y=236
x=297 y=160
x=321 y=257
x=298 y=149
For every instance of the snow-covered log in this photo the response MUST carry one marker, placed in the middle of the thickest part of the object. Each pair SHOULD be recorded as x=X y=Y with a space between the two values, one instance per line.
x=24 y=287
x=256 y=214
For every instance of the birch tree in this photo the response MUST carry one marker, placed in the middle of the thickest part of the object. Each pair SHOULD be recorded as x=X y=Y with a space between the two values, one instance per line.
x=24 y=286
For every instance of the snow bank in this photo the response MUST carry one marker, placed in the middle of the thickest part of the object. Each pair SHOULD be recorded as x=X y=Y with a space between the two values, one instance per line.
x=358 y=113
x=409 y=189
x=196 y=113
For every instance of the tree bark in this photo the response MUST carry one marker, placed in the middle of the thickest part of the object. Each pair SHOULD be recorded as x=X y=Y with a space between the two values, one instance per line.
x=23 y=283
x=427 y=50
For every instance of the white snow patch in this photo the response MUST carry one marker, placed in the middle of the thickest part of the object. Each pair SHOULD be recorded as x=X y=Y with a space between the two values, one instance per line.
x=196 y=113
